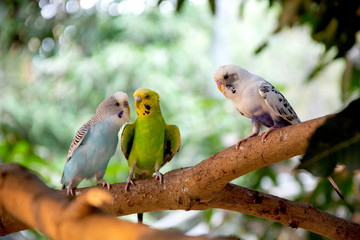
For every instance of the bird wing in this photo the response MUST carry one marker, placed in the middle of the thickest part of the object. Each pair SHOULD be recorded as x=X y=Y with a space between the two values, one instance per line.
x=172 y=142
x=278 y=103
x=76 y=142
x=127 y=139
x=78 y=139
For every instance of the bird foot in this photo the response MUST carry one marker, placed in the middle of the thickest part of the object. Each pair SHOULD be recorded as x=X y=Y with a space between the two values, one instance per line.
x=244 y=140
x=103 y=183
x=158 y=176
x=265 y=134
x=70 y=191
x=129 y=181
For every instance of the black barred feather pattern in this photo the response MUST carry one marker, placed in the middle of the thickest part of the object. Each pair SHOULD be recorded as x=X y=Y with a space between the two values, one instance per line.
x=79 y=136
x=256 y=99
x=95 y=143
x=278 y=103
x=97 y=118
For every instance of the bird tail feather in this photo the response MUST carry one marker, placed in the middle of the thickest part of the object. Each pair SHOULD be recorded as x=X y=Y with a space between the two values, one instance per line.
x=140 y=217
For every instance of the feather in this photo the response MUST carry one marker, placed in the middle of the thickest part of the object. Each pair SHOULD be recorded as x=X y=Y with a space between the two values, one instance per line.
x=278 y=103
x=95 y=142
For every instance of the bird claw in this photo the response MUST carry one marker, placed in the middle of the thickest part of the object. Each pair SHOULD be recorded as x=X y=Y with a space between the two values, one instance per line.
x=239 y=142
x=70 y=191
x=129 y=182
x=237 y=146
x=265 y=134
x=158 y=176
x=104 y=183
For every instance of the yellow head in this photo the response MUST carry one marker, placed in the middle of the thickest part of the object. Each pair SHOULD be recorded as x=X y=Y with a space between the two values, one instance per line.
x=146 y=103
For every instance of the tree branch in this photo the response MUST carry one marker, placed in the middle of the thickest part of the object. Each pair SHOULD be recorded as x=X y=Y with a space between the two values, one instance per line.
x=224 y=166
x=286 y=212
x=59 y=217
x=151 y=196
x=205 y=186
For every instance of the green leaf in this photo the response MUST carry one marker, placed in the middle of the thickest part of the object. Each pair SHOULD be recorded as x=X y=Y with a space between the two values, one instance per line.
x=212 y=6
x=351 y=78
x=208 y=214
x=337 y=141
x=179 y=5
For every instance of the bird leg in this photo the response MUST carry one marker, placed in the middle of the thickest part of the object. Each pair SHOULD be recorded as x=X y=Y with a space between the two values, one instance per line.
x=130 y=179
x=103 y=182
x=158 y=176
x=70 y=190
x=256 y=126
x=264 y=135
x=245 y=139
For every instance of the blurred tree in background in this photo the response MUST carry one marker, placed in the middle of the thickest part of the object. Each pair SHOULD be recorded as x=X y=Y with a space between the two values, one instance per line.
x=60 y=58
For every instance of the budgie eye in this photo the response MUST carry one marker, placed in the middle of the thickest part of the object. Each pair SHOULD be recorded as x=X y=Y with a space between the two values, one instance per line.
x=117 y=104
x=226 y=76
x=147 y=96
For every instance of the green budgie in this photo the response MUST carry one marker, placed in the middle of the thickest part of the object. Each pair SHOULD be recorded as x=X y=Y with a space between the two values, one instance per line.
x=148 y=143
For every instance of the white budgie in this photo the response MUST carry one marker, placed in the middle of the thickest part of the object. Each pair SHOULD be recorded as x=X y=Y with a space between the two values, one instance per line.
x=256 y=99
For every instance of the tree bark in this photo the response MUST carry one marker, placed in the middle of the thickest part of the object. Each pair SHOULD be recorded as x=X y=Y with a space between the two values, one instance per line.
x=30 y=201
x=206 y=185
x=201 y=182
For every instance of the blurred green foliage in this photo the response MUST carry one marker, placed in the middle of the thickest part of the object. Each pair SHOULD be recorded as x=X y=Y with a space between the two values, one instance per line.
x=335 y=142
x=60 y=59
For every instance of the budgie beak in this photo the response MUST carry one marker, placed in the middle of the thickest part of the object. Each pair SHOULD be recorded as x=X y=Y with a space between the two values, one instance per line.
x=219 y=85
x=127 y=107
x=137 y=99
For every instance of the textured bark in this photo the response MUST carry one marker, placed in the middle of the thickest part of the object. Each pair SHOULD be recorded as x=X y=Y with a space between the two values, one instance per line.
x=30 y=201
x=286 y=212
x=206 y=186
x=201 y=182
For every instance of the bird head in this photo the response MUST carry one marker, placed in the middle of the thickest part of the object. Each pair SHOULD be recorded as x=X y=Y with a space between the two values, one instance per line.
x=146 y=102
x=227 y=79
x=117 y=106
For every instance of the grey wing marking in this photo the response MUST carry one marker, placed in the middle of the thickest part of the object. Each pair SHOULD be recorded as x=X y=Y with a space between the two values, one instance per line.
x=278 y=103
x=79 y=137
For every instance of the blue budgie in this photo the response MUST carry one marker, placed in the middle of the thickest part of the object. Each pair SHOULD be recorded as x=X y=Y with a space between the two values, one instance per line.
x=95 y=143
